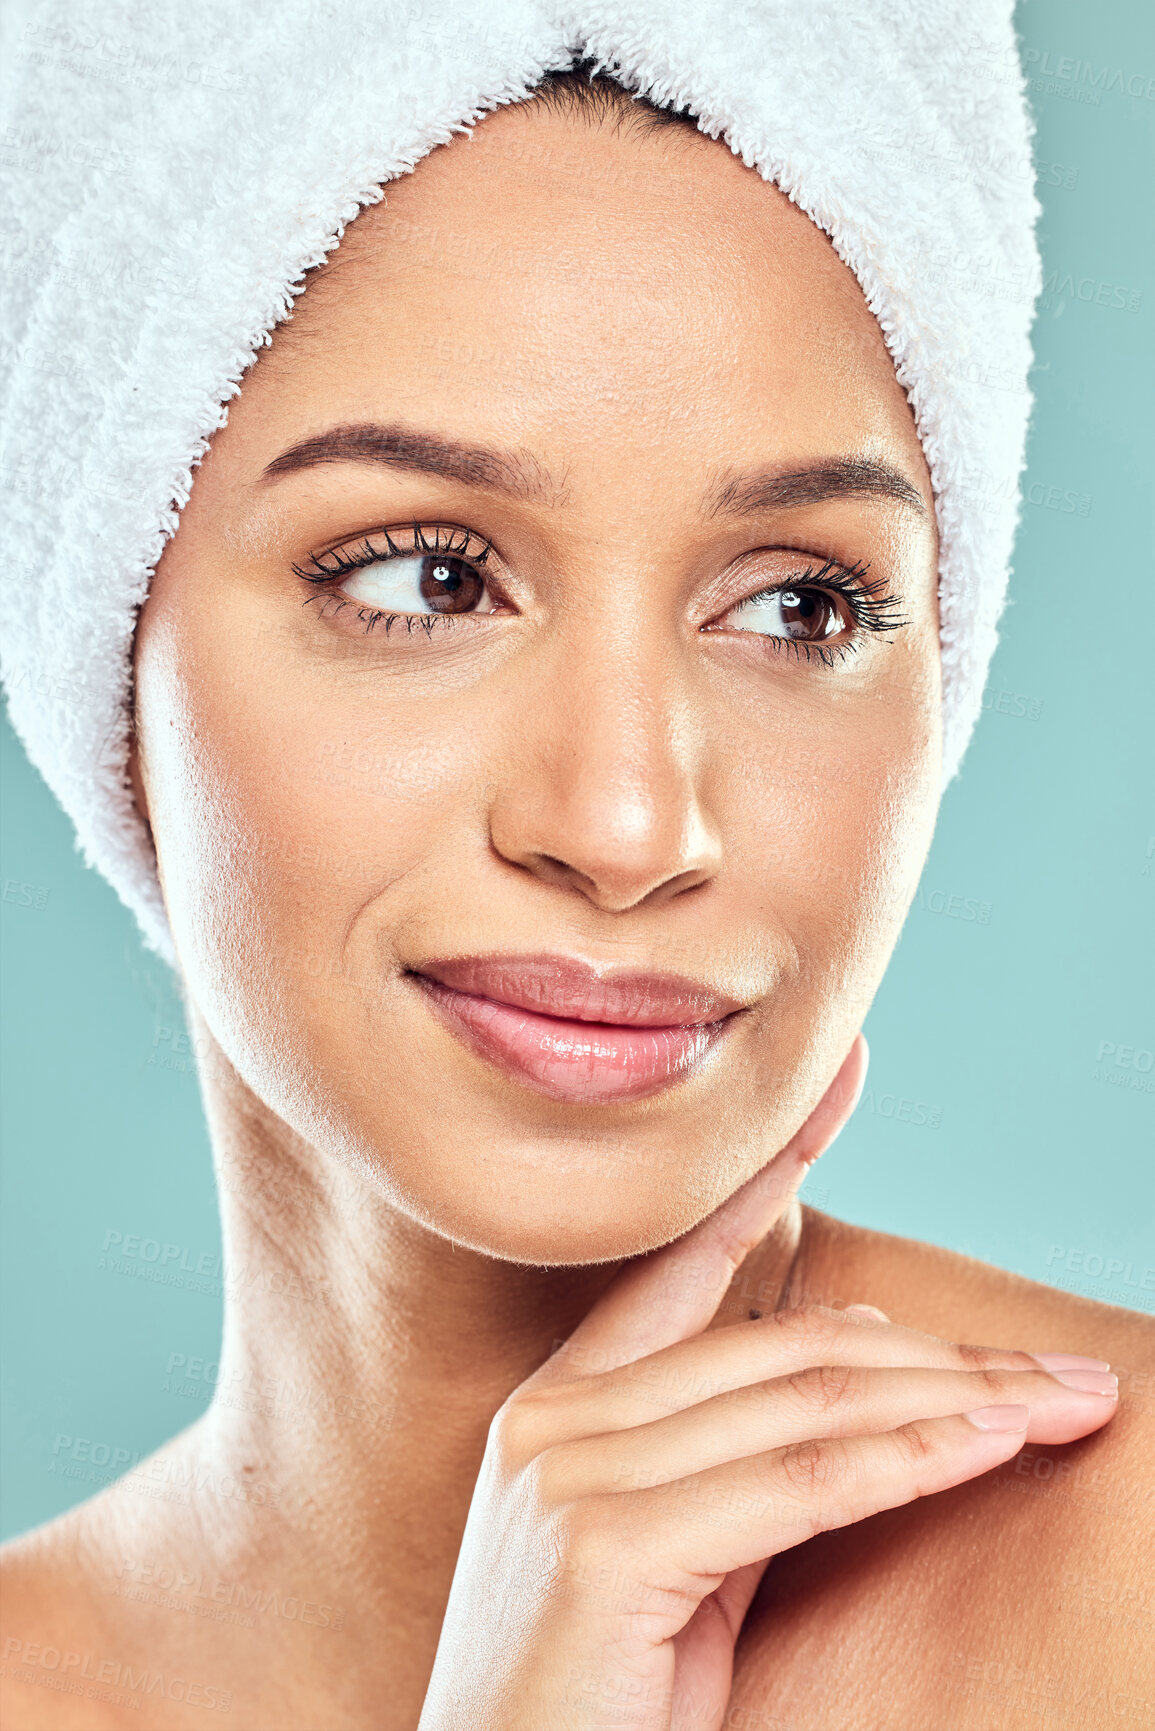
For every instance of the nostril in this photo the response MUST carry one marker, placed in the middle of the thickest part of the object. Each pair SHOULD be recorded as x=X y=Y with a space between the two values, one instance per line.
x=611 y=892
x=558 y=871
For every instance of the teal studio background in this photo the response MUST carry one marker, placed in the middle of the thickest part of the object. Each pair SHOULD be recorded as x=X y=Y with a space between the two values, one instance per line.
x=1009 y=1106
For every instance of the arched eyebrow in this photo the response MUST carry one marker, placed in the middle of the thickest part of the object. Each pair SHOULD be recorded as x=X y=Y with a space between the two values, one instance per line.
x=520 y=475
x=516 y=474
x=844 y=478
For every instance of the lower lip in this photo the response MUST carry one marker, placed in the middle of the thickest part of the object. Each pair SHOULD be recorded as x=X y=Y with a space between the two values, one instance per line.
x=584 y=1063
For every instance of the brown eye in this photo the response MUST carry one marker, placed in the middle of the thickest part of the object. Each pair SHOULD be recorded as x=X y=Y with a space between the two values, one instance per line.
x=808 y=614
x=449 y=584
x=805 y=615
x=419 y=584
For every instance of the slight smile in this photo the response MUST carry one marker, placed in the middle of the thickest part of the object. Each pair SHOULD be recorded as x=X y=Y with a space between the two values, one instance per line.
x=555 y=1026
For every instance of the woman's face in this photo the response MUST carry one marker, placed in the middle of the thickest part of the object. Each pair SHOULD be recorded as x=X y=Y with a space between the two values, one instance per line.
x=534 y=636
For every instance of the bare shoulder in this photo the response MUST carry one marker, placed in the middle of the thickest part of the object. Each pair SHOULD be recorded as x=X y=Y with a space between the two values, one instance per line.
x=63 y=1665
x=1018 y=1599
x=961 y=1298
x=46 y=1629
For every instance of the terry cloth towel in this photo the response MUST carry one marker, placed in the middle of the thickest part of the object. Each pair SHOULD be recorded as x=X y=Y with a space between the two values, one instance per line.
x=171 y=171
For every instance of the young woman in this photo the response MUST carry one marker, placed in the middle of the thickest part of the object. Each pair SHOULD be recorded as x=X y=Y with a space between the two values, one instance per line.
x=537 y=716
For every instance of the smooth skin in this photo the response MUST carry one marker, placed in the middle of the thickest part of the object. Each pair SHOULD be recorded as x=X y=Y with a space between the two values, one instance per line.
x=526 y=1400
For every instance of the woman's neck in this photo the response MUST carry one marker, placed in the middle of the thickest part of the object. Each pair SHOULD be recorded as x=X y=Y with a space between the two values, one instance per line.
x=363 y=1359
x=355 y=1338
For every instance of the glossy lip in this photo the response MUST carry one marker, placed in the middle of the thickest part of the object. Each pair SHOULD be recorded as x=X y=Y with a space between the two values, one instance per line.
x=555 y=1026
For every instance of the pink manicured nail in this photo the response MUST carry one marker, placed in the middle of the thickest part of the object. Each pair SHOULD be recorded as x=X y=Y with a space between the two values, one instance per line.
x=1088 y=1381
x=870 y=1310
x=1054 y=1361
x=999 y=1417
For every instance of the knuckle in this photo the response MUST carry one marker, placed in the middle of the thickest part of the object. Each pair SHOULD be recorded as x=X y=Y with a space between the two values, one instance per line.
x=813 y=1469
x=993 y=1358
x=975 y=1357
x=548 y=1477
x=821 y=1387
x=582 y=1533
x=991 y=1382
x=807 y=1329
x=914 y=1443
x=515 y=1432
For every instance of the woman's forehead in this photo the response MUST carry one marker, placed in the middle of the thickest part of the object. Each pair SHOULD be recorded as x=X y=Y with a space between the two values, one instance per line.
x=557 y=273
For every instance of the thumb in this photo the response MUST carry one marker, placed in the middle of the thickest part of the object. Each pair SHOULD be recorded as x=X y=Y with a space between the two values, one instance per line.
x=828 y=1117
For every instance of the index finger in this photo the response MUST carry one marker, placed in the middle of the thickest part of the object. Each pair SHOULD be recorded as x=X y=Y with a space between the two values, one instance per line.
x=674 y=1292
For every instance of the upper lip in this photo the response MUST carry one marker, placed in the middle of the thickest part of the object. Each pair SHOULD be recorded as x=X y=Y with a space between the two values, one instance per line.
x=562 y=987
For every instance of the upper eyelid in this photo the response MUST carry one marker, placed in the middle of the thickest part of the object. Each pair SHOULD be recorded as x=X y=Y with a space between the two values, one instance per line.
x=833 y=570
x=371 y=556
x=874 y=605
x=815 y=571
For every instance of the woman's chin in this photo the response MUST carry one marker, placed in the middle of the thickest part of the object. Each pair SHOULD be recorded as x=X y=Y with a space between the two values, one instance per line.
x=548 y=1191
x=557 y=1247
x=575 y=1221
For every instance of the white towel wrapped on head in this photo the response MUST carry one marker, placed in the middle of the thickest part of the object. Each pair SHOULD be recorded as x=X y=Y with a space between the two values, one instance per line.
x=171 y=172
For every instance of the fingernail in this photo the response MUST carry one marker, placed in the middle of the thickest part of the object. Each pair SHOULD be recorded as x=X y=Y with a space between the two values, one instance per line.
x=1005 y=1418
x=870 y=1310
x=865 y=1068
x=1054 y=1361
x=1088 y=1381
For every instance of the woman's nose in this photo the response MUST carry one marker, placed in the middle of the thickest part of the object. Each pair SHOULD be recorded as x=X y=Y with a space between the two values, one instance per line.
x=604 y=794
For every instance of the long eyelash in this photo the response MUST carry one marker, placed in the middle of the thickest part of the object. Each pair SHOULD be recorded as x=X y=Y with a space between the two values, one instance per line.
x=342 y=560
x=871 y=606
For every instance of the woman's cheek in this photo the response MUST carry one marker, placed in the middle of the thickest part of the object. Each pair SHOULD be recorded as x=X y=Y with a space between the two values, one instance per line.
x=278 y=810
x=838 y=832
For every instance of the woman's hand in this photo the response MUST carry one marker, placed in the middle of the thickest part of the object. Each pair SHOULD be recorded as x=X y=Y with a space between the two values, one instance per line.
x=634 y=1488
